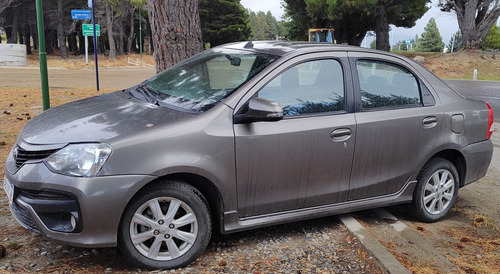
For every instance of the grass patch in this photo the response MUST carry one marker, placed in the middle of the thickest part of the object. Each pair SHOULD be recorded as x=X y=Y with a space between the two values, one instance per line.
x=14 y=245
x=412 y=54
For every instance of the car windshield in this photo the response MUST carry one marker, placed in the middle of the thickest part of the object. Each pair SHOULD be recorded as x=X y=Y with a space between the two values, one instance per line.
x=199 y=83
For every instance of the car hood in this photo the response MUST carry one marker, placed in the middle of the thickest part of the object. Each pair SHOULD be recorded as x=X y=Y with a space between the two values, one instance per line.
x=98 y=119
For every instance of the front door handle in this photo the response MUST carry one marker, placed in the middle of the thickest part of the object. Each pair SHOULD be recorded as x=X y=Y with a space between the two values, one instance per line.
x=341 y=134
x=429 y=122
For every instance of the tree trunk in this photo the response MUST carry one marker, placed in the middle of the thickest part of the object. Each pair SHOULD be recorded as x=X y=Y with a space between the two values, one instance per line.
x=73 y=46
x=60 y=30
x=121 y=35
x=474 y=21
x=176 y=31
x=81 y=41
x=109 y=23
x=48 y=42
x=15 y=24
x=382 y=28
x=131 y=35
x=27 y=36
x=20 y=33
x=35 y=36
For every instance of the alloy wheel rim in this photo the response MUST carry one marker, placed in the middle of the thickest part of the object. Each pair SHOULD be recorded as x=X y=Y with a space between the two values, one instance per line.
x=163 y=229
x=438 y=192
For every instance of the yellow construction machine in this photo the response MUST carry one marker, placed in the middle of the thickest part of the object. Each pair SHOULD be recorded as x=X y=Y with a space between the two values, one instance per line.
x=322 y=35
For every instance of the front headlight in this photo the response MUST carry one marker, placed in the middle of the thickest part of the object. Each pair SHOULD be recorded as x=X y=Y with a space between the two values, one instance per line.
x=83 y=160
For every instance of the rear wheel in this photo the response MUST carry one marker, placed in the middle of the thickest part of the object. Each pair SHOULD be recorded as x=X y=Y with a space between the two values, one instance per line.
x=436 y=190
x=167 y=226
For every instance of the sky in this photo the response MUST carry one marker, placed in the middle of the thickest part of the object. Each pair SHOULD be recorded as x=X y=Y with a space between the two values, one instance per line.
x=446 y=21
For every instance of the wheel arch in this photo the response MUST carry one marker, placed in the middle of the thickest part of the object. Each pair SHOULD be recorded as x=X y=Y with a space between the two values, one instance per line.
x=457 y=159
x=210 y=193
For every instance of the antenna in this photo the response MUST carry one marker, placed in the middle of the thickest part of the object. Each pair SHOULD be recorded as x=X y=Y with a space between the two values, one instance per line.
x=249 y=45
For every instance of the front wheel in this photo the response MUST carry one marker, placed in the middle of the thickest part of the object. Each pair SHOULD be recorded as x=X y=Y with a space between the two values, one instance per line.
x=166 y=226
x=436 y=190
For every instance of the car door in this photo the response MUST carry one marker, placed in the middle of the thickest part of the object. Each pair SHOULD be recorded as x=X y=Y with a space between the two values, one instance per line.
x=398 y=122
x=303 y=160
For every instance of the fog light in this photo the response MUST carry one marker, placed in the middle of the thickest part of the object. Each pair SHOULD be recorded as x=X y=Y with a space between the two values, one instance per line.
x=73 y=222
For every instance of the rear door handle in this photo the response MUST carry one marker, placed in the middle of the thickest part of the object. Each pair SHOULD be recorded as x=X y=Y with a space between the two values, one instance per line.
x=341 y=134
x=429 y=122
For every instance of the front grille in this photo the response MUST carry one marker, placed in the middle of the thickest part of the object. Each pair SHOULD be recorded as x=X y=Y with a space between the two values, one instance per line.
x=44 y=195
x=21 y=156
x=23 y=217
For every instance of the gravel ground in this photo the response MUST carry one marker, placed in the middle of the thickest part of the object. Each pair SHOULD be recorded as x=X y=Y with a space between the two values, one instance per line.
x=316 y=246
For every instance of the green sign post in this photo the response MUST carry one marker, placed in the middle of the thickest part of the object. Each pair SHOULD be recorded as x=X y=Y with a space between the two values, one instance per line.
x=88 y=30
x=43 y=56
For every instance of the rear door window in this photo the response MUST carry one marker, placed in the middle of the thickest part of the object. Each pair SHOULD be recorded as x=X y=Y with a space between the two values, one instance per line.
x=387 y=85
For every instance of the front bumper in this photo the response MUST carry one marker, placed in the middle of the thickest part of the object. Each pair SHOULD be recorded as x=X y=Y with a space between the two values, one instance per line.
x=44 y=203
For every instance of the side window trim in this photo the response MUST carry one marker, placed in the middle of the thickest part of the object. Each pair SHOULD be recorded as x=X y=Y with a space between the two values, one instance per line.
x=428 y=99
x=357 y=86
x=239 y=102
x=342 y=67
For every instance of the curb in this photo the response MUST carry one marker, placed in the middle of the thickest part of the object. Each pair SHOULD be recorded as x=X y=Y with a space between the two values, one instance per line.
x=388 y=261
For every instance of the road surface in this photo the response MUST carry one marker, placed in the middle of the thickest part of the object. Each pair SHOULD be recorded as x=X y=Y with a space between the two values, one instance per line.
x=113 y=78
x=488 y=91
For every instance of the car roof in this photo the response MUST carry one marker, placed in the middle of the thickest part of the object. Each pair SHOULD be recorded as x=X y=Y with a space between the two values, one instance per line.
x=281 y=48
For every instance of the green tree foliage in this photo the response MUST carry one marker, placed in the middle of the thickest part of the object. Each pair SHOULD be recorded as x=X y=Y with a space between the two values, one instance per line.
x=266 y=24
x=431 y=40
x=223 y=21
x=138 y=3
x=455 y=43
x=351 y=19
x=475 y=18
x=401 y=45
x=61 y=31
x=492 y=40
x=298 y=21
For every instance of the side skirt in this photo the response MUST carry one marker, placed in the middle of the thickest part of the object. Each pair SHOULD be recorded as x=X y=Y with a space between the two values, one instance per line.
x=233 y=223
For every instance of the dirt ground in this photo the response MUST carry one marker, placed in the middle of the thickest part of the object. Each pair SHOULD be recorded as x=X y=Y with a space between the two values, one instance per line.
x=469 y=238
x=461 y=65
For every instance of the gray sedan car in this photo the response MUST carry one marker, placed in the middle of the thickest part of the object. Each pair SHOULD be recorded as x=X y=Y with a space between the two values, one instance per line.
x=242 y=136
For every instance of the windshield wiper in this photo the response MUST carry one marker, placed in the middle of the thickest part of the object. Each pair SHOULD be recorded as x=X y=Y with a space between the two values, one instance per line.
x=145 y=93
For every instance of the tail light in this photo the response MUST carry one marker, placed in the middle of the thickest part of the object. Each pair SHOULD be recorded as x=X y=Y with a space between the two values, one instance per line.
x=489 y=132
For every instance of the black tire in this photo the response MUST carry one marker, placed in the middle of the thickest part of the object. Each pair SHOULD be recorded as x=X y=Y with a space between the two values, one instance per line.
x=433 y=200
x=182 y=236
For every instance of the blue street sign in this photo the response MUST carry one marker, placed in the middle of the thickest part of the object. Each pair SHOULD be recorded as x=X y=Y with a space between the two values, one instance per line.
x=408 y=41
x=81 y=14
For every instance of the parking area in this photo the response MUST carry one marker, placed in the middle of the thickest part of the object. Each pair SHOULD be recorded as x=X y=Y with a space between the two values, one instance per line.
x=468 y=240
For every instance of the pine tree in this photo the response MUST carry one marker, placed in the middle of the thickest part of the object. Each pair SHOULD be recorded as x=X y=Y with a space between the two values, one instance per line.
x=175 y=25
x=475 y=18
x=492 y=40
x=223 y=21
x=352 y=19
x=455 y=43
x=264 y=24
x=431 y=40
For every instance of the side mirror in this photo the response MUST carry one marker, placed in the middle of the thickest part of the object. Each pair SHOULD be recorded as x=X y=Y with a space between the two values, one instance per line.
x=259 y=110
